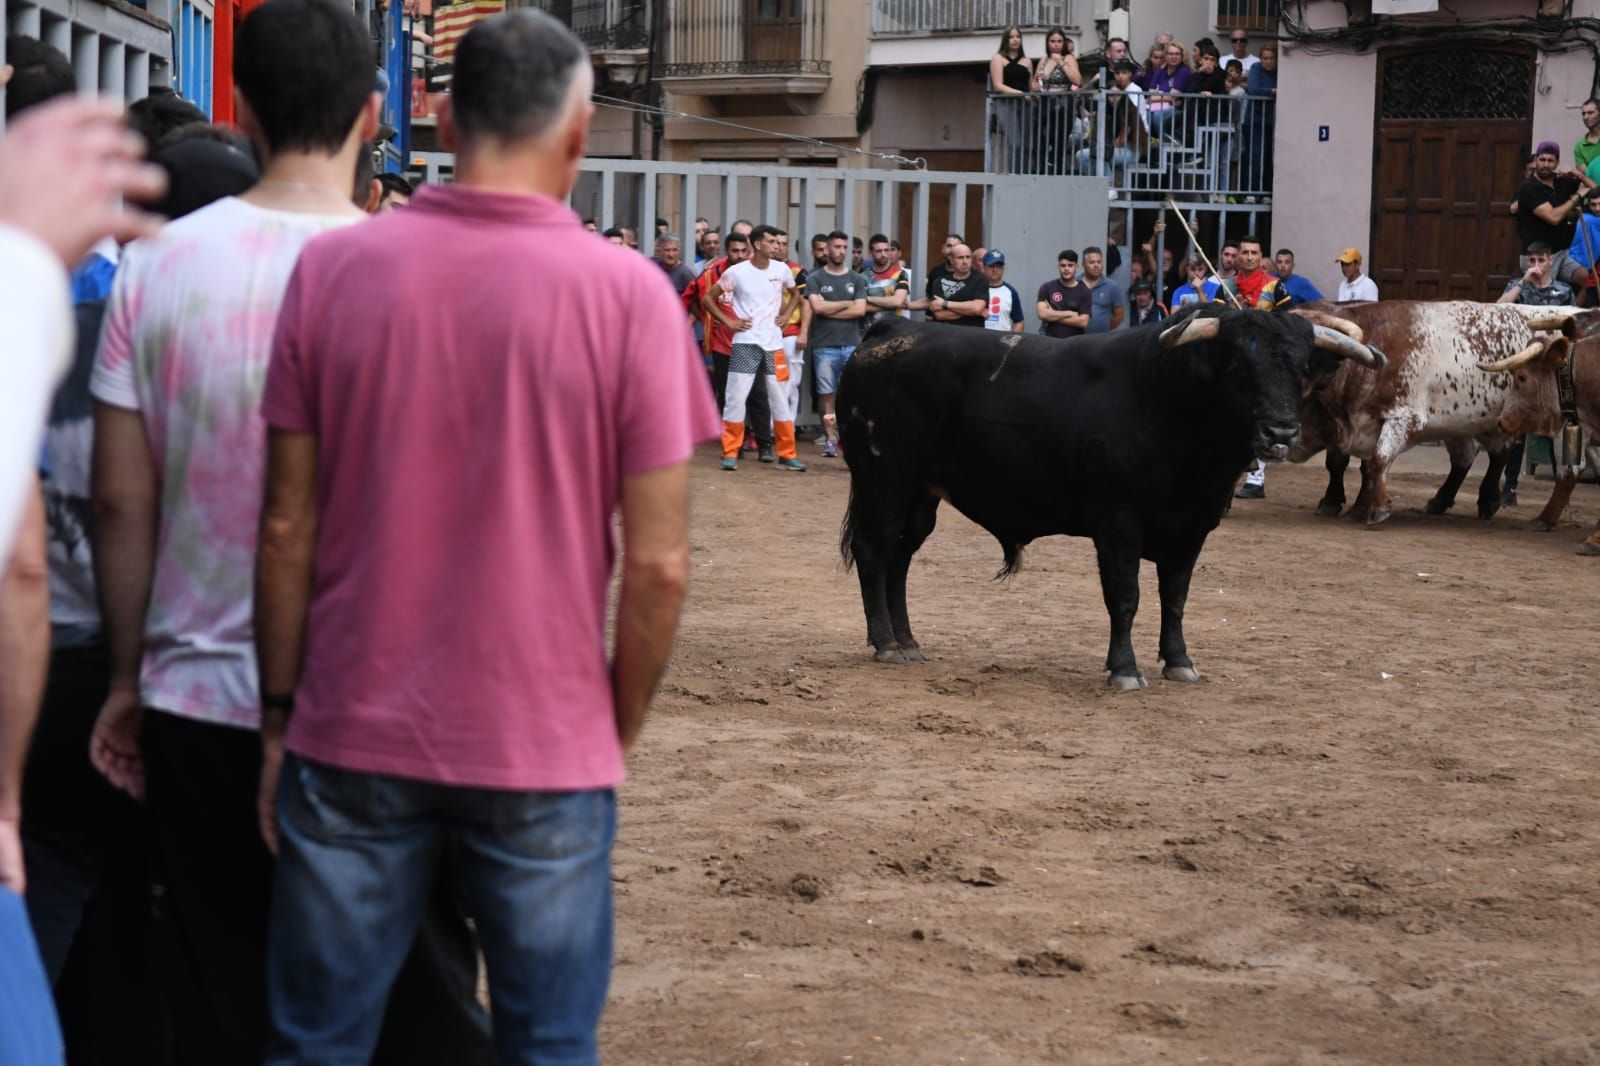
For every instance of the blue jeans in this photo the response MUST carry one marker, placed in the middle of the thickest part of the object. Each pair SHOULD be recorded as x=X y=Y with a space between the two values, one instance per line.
x=357 y=854
x=29 y=1032
x=827 y=363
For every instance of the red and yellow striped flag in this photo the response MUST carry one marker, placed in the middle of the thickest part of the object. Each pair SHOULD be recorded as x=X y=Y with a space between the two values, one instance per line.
x=452 y=21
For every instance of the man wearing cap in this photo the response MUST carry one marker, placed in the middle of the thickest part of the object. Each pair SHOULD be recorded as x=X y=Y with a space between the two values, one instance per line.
x=1356 y=285
x=1144 y=310
x=1005 y=303
x=1544 y=208
x=1127 y=136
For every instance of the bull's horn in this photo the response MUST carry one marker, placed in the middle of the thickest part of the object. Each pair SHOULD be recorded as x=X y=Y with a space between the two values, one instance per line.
x=1195 y=329
x=1331 y=340
x=1511 y=362
x=1343 y=325
x=1556 y=320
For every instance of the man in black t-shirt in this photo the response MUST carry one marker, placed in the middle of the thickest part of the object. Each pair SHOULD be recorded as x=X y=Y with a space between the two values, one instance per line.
x=1065 y=303
x=939 y=270
x=961 y=297
x=1544 y=209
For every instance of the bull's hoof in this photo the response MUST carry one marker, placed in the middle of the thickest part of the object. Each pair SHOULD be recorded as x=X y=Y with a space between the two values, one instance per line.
x=1127 y=682
x=1487 y=509
x=1541 y=525
x=1589 y=547
x=1437 y=506
x=1185 y=674
x=1378 y=517
x=911 y=654
x=889 y=655
x=1330 y=508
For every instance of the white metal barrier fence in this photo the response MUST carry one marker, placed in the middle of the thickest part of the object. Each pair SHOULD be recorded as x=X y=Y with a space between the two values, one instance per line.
x=1029 y=217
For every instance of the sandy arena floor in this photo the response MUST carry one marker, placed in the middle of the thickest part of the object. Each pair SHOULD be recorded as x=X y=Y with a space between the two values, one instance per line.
x=1371 y=835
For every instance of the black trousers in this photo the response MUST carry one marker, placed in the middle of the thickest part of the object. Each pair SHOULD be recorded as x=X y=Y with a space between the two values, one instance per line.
x=214 y=890
x=88 y=886
x=757 y=409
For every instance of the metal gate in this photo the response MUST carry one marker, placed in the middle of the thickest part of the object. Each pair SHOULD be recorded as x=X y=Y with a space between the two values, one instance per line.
x=1030 y=217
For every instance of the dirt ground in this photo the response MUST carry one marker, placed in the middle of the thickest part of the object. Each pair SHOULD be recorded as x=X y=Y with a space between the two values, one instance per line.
x=1368 y=836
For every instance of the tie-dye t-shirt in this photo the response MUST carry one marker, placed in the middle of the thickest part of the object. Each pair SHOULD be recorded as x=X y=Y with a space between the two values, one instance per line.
x=187 y=337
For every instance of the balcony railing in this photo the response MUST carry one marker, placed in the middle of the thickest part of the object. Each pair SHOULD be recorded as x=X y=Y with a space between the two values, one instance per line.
x=602 y=25
x=920 y=18
x=733 y=38
x=1216 y=148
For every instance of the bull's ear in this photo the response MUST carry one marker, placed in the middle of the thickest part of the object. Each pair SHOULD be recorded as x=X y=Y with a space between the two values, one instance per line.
x=1557 y=351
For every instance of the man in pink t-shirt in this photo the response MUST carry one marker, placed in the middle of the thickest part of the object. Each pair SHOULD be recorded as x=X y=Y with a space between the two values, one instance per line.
x=443 y=469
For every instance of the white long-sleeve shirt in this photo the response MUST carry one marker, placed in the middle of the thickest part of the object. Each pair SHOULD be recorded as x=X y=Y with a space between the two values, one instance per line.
x=1363 y=288
x=36 y=310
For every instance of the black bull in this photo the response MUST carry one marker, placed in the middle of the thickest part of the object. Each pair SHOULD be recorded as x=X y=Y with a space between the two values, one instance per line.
x=1132 y=439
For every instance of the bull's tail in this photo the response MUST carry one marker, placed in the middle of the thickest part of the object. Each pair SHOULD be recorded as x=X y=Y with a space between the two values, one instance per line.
x=855 y=436
x=847 y=531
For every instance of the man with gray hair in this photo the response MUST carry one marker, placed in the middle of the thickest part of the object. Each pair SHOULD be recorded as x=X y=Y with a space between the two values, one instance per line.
x=669 y=257
x=434 y=563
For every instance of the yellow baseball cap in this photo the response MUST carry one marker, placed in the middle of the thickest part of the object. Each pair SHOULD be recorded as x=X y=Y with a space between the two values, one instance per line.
x=1349 y=255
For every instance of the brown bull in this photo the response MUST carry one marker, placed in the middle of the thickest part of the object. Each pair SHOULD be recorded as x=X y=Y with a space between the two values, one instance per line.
x=1431 y=390
x=1535 y=407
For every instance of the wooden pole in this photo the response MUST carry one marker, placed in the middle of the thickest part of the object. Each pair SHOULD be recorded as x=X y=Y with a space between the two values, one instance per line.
x=1194 y=242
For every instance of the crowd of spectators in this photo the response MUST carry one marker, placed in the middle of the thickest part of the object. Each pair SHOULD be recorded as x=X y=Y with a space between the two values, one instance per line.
x=1557 y=213
x=822 y=306
x=1193 y=120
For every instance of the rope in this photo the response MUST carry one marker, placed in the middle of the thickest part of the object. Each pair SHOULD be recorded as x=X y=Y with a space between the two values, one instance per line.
x=617 y=104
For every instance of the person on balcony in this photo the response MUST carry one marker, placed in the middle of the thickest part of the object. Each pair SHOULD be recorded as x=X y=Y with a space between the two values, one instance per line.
x=1208 y=116
x=1125 y=138
x=1116 y=50
x=1164 y=81
x=1054 y=78
x=1011 y=74
x=1239 y=42
x=1058 y=71
x=1260 y=122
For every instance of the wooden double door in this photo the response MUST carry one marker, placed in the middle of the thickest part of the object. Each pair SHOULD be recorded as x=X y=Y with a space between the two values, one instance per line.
x=1453 y=130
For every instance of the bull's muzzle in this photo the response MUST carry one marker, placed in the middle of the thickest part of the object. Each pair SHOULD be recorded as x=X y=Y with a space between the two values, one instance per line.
x=1274 y=439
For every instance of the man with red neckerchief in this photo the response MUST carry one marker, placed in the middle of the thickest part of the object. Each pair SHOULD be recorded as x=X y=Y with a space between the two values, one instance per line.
x=1258 y=288
x=1254 y=286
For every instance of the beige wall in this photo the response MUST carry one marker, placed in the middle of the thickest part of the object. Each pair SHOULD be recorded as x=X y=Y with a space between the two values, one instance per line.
x=1324 y=189
x=1323 y=197
x=1188 y=20
x=928 y=112
x=829 y=115
x=611 y=134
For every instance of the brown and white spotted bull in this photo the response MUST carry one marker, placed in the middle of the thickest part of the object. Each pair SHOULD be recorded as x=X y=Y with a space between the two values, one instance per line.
x=1536 y=406
x=1430 y=390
